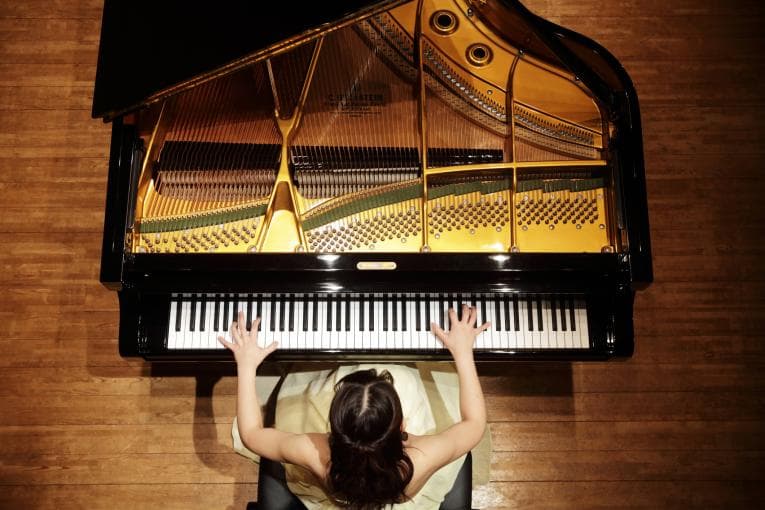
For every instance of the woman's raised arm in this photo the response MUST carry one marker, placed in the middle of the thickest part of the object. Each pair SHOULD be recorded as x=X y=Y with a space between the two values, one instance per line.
x=440 y=449
x=277 y=445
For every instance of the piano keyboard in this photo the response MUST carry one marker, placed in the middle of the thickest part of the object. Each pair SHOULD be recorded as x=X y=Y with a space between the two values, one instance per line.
x=377 y=322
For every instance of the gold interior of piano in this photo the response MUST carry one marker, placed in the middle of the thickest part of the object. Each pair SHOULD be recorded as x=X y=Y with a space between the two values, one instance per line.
x=363 y=141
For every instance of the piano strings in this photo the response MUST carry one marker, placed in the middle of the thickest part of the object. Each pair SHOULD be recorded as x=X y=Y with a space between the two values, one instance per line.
x=318 y=149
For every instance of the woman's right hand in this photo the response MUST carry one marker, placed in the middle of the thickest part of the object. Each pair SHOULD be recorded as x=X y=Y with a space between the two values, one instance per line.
x=462 y=332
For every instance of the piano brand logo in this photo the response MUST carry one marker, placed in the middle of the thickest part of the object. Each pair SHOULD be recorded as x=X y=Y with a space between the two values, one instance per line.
x=361 y=100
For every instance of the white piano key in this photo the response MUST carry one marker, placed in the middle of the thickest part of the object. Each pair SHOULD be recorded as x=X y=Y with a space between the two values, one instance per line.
x=264 y=333
x=413 y=339
x=304 y=338
x=548 y=335
x=492 y=340
x=276 y=312
x=376 y=318
x=524 y=325
x=185 y=311
x=321 y=334
x=208 y=340
x=499 y=326
x=354 y=334
x=389 y=337
x=433 y=308
x=484 y=339
x=297 y=335
x=581 y=325
x=537 y=340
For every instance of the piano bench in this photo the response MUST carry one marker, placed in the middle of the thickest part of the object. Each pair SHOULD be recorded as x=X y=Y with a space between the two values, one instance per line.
x=273 y=493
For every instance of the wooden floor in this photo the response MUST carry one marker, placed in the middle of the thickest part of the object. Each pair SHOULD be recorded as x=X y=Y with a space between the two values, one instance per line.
x=681 y=424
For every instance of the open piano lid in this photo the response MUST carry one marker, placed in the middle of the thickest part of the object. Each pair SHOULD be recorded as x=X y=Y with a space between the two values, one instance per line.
x=151 y=49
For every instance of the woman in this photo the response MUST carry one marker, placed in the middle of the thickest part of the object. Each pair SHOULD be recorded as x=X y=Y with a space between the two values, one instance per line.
x=367 y=460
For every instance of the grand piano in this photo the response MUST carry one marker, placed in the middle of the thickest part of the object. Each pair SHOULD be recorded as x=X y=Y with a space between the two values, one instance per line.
x=350 y=170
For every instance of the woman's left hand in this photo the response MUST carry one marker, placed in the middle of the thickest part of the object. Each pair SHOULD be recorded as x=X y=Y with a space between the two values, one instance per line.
x=245 y=346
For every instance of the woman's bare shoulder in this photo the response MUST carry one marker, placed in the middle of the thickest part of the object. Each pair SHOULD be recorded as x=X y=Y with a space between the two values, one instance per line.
x=315 y=454
x=425 y=462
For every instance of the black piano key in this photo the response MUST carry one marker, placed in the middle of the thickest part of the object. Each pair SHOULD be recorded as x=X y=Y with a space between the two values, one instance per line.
x=506 y=303
x=497 y=314
x=427 y=311
x=216 y=314
x=282 y=308
x=347 y=313
x=484 y=315
x=385 y=312
x=554 y=314
x=315 y=318
x=474 y=304
x=404 y=303
x=329 y=312
x=571 y=314
x=291 y=312
x=193 y=314
x=226 y=324
x=516 y=314
x=394 y=309
x=272 y=312
x=417 y=314
x=441 y=306
x=202 y=312
x=361 y=312
x=249 y=312
x=540 y=320
x=178 y=306
x=530 y=312
x=371 y=313
x=338 y=313
x=305 y=313
x=259 y=311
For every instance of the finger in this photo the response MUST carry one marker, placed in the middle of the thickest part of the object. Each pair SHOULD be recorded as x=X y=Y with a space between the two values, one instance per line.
x=241 y=323
x=271 y=348
x=473 y=316
x=234 y=331
x=440 y=333
x=254 y=325
x=465 y=314
x=452 y=317
x=484 y=327
x=227 y=345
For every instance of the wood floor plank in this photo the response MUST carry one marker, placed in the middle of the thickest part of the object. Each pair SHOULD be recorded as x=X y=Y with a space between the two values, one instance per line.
x=115 y=468
x=627 y=435
x=623 y=465
x=538 y=436
x=182 y=496
x=614 y=406
x=629 y=494
x=529 y=379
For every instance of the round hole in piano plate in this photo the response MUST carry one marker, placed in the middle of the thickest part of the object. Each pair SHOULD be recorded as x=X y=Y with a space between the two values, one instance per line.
x=444 y=22
x=479 y=54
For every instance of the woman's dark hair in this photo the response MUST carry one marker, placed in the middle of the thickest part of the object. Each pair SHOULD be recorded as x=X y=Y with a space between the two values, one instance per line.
x=369 y=467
